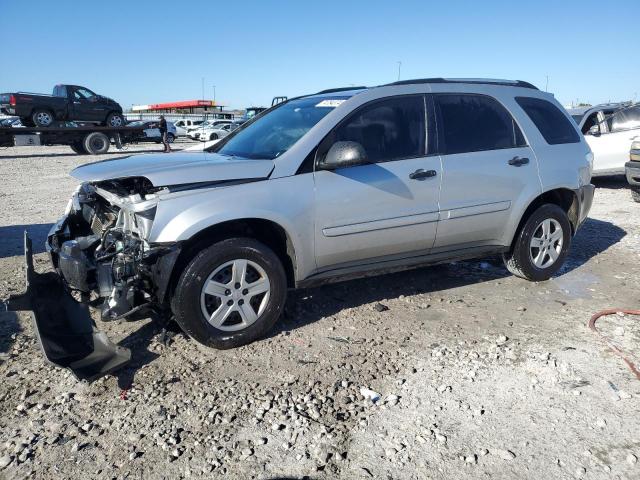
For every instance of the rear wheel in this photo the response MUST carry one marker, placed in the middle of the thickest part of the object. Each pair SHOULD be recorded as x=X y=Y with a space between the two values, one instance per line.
x=170 y=138
x=542 y=244
x=96 y=143
x=230 y=293
x=42 y=118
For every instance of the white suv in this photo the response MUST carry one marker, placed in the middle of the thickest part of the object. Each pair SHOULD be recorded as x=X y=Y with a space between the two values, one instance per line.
x=609 y=129
x=341 y=183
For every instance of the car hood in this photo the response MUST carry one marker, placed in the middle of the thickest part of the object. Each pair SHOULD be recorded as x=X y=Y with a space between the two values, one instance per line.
x=175 y=168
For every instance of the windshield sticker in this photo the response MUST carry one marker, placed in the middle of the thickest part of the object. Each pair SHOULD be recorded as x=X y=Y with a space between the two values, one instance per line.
x=329 y=103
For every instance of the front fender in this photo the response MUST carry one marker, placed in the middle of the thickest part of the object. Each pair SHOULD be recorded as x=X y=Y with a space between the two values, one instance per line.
x=286 y=201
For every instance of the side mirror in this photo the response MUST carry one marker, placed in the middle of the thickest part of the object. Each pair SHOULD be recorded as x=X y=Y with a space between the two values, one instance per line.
x=594 y=130
x=344 y=154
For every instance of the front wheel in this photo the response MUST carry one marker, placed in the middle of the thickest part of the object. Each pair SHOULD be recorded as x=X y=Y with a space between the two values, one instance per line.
x=542 y=244
x=114 y=120
x=230 y=293
x=213 y=136
x=170 y=138
x=635 y=194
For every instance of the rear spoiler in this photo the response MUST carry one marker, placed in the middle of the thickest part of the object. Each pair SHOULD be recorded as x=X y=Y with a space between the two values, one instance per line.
x=66 y=332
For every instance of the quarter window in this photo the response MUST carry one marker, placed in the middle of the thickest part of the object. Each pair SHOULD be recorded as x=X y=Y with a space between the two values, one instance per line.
x=474 y=123
x=554 y=126
x=390 y=129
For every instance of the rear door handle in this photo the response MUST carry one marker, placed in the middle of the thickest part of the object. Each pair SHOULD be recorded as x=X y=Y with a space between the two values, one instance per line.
x=421 y=174
x=518 y=162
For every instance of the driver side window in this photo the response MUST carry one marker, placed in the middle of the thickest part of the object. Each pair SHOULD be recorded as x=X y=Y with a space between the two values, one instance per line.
x=388 y=130
x=82 y=94
x=590 y=122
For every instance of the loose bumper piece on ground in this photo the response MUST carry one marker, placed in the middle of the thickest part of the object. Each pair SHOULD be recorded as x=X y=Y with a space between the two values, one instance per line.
x=66 y=333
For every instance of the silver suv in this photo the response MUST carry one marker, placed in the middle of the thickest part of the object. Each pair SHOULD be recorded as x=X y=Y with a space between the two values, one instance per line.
x=336 y=184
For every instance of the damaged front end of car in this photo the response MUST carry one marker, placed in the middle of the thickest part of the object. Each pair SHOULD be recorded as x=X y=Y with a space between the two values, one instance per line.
x=102 y=258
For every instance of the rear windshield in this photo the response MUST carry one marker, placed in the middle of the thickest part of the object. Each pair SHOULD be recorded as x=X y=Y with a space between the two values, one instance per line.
x=274 y=132
x=554 y=126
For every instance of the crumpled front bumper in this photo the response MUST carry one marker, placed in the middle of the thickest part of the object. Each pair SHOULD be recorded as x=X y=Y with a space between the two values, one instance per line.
x=66 y=332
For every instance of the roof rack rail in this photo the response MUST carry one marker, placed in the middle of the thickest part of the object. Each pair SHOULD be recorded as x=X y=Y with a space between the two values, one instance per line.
x=342 y=89
x=479 y=81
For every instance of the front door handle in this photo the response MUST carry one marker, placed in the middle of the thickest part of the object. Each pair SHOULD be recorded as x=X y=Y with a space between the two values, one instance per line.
x=518 y=162
x=421 y=174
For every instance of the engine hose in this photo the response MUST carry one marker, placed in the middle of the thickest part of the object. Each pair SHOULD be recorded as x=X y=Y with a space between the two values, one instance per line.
x=616 y=349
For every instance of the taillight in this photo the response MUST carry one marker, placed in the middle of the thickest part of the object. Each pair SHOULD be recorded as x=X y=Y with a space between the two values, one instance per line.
x=12 y=100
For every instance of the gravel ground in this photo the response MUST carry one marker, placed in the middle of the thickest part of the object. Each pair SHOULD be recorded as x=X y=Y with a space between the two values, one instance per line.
x=454 y=371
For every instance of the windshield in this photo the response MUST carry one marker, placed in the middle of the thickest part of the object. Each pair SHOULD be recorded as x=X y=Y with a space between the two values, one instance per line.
x=275 y=132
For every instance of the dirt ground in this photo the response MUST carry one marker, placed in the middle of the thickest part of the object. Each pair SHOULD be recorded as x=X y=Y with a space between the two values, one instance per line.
x=480 y=374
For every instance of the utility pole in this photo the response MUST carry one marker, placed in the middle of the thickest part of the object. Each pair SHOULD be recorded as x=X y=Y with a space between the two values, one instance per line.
x=202 y=88
x=546 y=86
x=399 y=66
x=214 y=93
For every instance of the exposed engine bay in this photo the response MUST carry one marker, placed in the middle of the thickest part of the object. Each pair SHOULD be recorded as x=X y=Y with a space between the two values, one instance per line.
x=100 y=249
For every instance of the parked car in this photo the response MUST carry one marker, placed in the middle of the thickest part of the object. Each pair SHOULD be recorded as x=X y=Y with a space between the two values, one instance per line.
x=323 y=187
x=215 y=132
x=183 y=124
x=632 y=170
x=151 y=130
x=68 y=102
x=609 y=130
x=194 y=132
x=10 y=122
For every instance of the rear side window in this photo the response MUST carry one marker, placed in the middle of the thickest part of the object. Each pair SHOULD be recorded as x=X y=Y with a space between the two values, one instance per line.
x=554 y=126
x=625 y=119
x=390 y=129
x=475 y=123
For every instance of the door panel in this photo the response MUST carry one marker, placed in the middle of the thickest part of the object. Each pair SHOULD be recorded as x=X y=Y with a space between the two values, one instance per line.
x=488 y=169
x=478 y=192
x=375 y=210
x=611 y=150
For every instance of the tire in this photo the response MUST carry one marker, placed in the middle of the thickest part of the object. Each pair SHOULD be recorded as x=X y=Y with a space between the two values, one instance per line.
x=114 y=120
x=78 y=147
x=544 y=221
x=170 y=138
x=213 y=136
x=190 y=302
x=96 y=143
x=42 y=118
x=635 y=194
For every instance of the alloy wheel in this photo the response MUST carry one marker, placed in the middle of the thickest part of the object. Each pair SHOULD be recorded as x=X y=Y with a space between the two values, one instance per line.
x=546 y=243
x=235 y=295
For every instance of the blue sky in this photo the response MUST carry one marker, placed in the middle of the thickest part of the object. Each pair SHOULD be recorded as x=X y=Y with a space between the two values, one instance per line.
x=155 y=51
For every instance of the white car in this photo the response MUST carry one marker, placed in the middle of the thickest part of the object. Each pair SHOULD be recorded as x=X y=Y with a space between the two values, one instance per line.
x=151 y=131
x=194 y=132
x=216 y=132
x=184 y=124
x=609 y=130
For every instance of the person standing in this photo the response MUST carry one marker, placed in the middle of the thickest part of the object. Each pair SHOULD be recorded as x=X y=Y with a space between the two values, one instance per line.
x=163 y=133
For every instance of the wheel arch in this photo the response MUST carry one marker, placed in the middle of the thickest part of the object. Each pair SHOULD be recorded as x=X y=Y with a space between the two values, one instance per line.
x=266 y=231
x=565 y=198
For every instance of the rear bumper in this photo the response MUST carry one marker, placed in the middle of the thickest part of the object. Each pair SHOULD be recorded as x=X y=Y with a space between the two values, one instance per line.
x=632 y=172
x=585 y=200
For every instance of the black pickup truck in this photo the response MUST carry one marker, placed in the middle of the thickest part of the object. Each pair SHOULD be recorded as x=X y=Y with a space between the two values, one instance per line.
x=67 y=103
